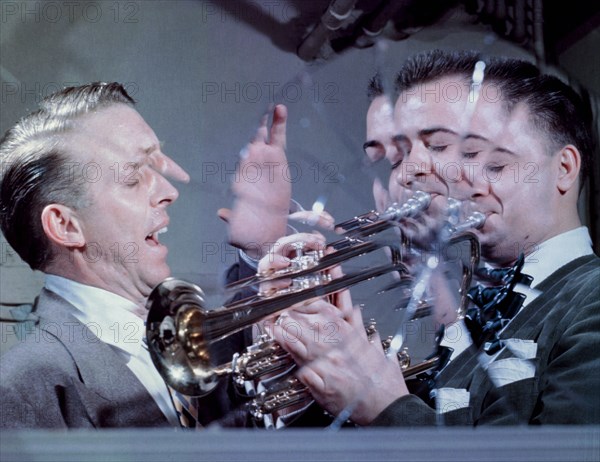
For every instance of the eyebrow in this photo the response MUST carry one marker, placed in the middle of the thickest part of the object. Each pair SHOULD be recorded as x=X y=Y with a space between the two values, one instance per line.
x=425 y=132
x=504 y=151
x=431 y=131
x=473 y=136
x=149 y=150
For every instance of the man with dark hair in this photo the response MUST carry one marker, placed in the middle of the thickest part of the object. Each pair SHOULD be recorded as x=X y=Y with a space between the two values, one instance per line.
x=380 y=143
x=500 y=127
x=83 y=198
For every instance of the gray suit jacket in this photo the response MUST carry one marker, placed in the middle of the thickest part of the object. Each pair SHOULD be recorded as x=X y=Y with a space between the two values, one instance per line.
x=61 y=375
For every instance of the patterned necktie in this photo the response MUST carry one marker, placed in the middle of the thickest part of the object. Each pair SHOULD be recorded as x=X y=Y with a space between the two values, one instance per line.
x=187 y=413
x=186 y=410
x=495 y=306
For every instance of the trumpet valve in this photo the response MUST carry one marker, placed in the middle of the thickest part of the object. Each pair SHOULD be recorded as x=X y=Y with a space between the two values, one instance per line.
x=307 y=282
x=265 y=356
x=371 y=328
x=288 y=392
x=416 y=204
x=403 y=356
x=300 y=264
x=306 y=260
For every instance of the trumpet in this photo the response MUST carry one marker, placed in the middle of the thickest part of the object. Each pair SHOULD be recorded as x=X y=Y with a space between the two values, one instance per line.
x=267 y=357
x=373 y=222
x=180 y=330
x=353 y=243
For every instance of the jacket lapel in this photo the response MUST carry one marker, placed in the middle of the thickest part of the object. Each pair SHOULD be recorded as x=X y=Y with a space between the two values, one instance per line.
x=111 y=393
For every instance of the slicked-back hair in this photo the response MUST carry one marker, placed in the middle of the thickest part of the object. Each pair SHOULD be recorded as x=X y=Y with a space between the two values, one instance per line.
x=36 y=169
x=555 y=109
x=375 y=87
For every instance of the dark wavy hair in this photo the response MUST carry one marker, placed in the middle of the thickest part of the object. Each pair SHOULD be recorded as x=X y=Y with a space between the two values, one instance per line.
x=555 y=109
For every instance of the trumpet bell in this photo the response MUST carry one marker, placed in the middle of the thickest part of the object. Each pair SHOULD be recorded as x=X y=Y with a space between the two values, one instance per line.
x=174 y=336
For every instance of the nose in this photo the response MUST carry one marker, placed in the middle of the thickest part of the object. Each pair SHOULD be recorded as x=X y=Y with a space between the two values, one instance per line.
x=380 y=195
x=173 y=170
x=168 y=167
x=392 y=152
x=415 y=167
x=473 y=183
x=163 y=192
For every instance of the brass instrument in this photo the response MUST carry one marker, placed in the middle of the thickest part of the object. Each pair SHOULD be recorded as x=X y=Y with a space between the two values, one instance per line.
x=373 y=222
x=353 y=243
x=181 y=330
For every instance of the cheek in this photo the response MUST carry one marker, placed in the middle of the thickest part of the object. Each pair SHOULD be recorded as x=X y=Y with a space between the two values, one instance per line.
x=450 y=171
x=396 y=191
x=507 y=184
x=438 y=207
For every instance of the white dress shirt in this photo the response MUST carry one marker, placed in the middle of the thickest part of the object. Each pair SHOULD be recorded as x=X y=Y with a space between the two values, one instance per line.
x=112 y=319
x=546 y=258
x=553 y=254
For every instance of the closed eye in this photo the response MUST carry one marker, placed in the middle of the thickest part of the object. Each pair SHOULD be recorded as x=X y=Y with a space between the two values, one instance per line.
x=470 y=155
x=437 y=148
x=496 y=168
x=396 y=165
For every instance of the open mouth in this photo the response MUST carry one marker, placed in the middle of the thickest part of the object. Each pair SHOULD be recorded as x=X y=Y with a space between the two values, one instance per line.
x=152 y=238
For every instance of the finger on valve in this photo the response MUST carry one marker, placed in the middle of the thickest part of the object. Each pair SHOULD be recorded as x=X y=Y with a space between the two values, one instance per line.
x=287 y=334
x=321 y=220
x=280 y=253
x=289 y=246
x=343 y=301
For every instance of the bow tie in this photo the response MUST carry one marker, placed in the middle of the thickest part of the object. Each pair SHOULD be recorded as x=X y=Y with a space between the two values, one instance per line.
x=494 y=307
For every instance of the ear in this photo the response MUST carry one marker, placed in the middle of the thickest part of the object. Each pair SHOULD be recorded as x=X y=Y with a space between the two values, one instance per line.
x=568 y=168
x=62 y=226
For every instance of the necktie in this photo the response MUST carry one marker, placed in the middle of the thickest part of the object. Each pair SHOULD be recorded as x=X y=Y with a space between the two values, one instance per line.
x=495 y=306
x=186 y=410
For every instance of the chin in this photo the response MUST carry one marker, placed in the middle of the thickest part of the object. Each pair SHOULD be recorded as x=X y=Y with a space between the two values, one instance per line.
x=498 y=255
x=159 y=275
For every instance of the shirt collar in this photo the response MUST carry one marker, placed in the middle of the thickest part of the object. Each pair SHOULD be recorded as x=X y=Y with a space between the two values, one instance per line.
x=556 y=252
x=109 y=316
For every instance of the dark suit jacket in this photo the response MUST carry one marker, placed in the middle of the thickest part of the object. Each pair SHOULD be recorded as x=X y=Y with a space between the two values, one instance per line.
x=565 y=323
x=63 y=376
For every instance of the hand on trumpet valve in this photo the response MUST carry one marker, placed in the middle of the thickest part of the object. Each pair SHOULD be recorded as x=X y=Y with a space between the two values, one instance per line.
x=315 y=217
x=339 y=363
x=293 y=253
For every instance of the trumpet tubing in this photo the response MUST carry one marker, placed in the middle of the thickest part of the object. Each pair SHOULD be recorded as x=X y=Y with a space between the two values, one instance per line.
x=353 y=243
x=288 y=390
x=181 y=330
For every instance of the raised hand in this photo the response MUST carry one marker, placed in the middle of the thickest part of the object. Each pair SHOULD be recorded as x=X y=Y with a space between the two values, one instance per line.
x=259 y=215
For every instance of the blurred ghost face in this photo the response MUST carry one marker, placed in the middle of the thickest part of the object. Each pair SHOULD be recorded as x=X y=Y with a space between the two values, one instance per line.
x=477 y=151
x=380 y=145
x=429 y=120
x=511 y=174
